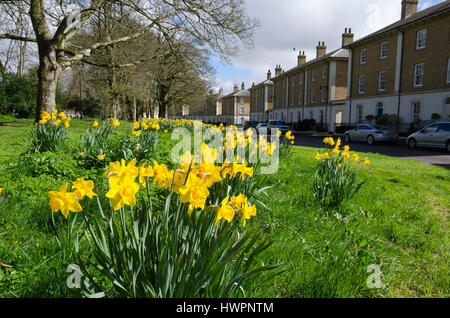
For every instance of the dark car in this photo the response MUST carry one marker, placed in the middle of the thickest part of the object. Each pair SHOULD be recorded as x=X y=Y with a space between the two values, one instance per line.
x=250 y=124
x=278 y=124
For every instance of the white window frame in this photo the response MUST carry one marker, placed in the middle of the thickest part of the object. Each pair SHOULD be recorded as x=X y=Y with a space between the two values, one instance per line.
x=242 y=110
x=363 y=57
x=322 y=95
x=313 y=96
x=382 y=45
x=313 y=75
x=416 y=75
x=241 y=100
x=362 y=88
x=324 y=72
x=421 y=39
x=292 y=99
x=382 y=81
x=300 y=98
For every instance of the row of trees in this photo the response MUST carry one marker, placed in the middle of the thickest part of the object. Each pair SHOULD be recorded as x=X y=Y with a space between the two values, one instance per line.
x=122 y=57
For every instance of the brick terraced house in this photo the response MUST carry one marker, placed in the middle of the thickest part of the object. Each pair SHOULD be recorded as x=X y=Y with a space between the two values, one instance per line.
x=403 y=69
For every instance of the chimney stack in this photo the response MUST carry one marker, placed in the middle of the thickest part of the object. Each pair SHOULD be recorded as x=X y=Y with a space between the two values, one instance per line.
x=321 y=49
x=347 y=37
x=409 y=7
x=269 y=75
x=278 y=70
x=235 y=88
x=301 y=58
x=243 y=86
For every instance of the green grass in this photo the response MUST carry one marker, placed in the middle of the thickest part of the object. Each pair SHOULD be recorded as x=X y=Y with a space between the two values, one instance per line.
x=398 y=220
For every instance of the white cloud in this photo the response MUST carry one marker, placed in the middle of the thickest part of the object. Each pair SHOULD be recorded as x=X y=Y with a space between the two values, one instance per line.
x=301 y=24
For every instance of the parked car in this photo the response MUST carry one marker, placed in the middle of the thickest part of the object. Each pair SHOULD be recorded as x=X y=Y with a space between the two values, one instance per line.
x=370 y=134
x=261 y=126
x=278 y=124
x=435 y=135
x=250 y=124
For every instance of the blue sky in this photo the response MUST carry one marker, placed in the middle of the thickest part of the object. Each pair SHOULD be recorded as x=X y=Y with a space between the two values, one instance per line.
x=300 y=24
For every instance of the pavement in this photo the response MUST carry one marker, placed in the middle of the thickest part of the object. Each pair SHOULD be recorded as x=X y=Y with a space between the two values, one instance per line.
x=436 y=157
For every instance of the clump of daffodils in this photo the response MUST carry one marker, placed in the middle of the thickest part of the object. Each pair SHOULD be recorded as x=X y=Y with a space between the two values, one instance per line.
x=191 y=181
x=55 y=119
x=336 y=179
x=334 y=152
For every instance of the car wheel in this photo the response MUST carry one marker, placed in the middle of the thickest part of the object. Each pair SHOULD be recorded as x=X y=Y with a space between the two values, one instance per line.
x=412 y=144
x=347 y=139
x=370 y=140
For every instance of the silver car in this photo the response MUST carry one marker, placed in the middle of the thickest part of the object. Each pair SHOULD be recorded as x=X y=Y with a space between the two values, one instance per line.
x=435 y=135
x=370 y=134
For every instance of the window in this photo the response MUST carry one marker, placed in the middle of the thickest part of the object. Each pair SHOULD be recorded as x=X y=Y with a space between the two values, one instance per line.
x=384 y=50
x=299 y=116
x=321 y=116
x=381 y=81
x=322 y=94
x=284 y=83
x=293 y=81
x=242 y=100
x=379 y=109
x=363 y=56
x=418 y=75
x=292 y=100
x=283 y=101
x=444 y=127
x=311 y=114
x=292 y=117
x=313 y=97
x=278 y=85
x=242 y=110
x=300 y=79
x=431 y=129
x=448 y=71
x=416 y=110
x=299 y=98
x=324 y=72
x=360 y=112
x=362 y=84
x=421 y=40
x=313 y=75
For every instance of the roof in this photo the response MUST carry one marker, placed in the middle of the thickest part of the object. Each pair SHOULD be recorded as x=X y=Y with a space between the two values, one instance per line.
x=264 y=83
x=416 y=17
x=241 y=93
x=336 y=54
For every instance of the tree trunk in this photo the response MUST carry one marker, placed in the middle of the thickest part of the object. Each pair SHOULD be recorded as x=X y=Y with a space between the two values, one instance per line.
x=134 y=109
x=48 y=74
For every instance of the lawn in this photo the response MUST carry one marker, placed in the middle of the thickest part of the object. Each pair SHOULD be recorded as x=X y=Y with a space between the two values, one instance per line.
x=398 y=221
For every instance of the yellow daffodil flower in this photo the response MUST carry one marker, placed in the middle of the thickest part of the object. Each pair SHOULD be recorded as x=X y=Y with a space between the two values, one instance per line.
x=225 y=211
x=64 y=201
x=123 y=191
x=83 y=188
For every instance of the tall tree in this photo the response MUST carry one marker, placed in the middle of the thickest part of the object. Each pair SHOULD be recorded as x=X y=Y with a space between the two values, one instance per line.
x=215 y=24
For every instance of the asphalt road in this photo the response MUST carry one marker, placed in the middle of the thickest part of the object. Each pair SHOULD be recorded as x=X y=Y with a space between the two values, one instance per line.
x=435 y=157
